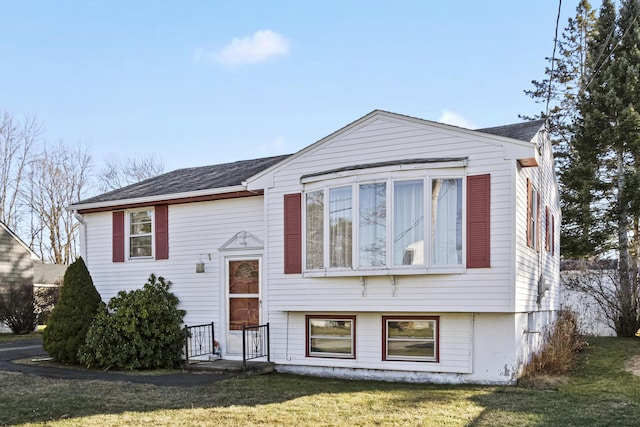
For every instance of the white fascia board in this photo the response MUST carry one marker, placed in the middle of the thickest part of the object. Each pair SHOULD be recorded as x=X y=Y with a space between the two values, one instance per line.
x=157 y=198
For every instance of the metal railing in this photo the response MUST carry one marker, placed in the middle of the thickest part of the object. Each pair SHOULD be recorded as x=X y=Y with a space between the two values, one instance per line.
x=199 y=340
x=255 y=343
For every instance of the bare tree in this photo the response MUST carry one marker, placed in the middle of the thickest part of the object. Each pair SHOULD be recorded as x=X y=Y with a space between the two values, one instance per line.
x=17 y=143
x=58 y=177
x=601 y=281
x=119 y=172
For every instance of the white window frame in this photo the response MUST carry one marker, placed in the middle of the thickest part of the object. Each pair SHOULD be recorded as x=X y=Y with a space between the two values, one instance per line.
x=436 y=338
x=351 y=338
x=128 y=234
x=388 y=177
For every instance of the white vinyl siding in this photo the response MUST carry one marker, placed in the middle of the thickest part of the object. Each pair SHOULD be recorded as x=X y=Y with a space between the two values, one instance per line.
x=478 y=290
x=196 y=232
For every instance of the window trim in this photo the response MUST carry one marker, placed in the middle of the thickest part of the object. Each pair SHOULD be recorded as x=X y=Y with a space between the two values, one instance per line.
x=389 y=178
x=128 y=235
x=436 y=339
x=308 y=337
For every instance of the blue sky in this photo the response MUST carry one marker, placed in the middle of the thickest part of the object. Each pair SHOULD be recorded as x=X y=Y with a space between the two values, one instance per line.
x=206 y=82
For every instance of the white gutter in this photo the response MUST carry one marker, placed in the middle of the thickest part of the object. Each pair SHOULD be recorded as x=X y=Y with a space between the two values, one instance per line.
x=157 y=198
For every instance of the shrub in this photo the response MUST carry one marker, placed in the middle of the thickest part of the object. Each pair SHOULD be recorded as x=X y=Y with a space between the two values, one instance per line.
x=560 y=352
x=17 y=309
x=45 y=299
x=140 y=329
x=71 y=317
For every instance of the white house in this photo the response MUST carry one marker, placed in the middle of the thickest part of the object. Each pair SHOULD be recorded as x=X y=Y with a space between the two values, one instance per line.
x=395 y=248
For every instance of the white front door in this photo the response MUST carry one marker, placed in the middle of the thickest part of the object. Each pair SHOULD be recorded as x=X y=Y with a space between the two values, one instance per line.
x=243 y=300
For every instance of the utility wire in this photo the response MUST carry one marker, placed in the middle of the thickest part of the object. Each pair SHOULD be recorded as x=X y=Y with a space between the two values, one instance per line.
x=608 y=58
x=553 y=58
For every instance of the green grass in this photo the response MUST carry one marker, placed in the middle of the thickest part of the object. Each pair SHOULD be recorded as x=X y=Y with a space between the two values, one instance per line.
x=599 y=393
x=9 y=337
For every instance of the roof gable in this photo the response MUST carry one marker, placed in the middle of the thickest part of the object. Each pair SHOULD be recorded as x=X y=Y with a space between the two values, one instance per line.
x=248 y=174
x=14 y=236
x=516 y=139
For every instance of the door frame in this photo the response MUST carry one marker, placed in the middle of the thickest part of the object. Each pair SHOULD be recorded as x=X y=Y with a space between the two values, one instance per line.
x=224 y=309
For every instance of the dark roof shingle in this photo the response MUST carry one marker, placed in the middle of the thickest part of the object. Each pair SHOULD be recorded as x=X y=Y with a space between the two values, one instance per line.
x=190 y=179
x=524 y=131
x=233 y=174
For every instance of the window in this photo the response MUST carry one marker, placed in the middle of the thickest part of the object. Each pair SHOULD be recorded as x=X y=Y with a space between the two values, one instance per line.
x=315 y=230
x=446 y=222
x=329 y=336
x=372 y=213
x=408 y=223
x=140 y=234
x=410 y=338
x=340 y=226
x=385 y=224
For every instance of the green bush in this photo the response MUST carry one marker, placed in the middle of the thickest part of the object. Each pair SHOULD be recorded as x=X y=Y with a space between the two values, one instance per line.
x=72 y=315
x=140 y=329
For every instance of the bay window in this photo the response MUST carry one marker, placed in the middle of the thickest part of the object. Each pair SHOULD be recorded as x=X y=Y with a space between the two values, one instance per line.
x=406 y=222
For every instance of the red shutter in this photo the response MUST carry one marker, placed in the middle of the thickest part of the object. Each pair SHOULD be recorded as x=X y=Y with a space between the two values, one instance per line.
x=478 y=221
x=553 y=235
x=293 y=233
x=538 y=223
x=529 y=213
x=547 y=229
x=162 y=231
x=117 y=237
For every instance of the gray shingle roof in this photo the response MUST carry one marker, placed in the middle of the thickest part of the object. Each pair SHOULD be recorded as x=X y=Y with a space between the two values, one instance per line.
x=48 y=274
x=190 y=179
x=233 y=174
x=524 y=131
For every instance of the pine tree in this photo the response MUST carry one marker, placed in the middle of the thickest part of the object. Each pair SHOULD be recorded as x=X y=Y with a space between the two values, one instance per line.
x=565 y=77
x=608 y=137
x=586 y=231
x=72 y=315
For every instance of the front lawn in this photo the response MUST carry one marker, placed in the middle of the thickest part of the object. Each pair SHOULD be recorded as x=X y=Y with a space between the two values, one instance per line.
x=599 y=393
x=9 y=337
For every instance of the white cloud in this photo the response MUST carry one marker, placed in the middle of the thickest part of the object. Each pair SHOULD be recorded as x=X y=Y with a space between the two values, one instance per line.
x=259 y=47
x=451 y=118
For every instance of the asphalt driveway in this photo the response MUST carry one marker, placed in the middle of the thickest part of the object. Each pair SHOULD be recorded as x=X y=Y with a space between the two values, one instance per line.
x=32 y=349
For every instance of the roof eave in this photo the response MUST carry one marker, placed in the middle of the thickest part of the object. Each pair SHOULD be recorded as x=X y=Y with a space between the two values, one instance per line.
x=155 y=199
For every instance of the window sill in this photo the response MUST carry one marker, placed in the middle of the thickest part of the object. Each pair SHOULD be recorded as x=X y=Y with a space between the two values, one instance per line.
x=140 y=258
x=386 y=272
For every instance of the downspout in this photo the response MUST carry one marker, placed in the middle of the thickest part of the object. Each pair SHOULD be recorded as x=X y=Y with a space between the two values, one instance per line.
x=83 y=236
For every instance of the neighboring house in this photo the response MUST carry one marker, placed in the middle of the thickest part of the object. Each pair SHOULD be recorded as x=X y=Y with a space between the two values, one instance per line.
x=48 y=275
x=395 y=248
x=16 y=262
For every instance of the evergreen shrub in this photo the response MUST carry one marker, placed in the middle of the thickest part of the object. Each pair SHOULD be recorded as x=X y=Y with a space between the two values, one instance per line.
x=140 y=329
x=70 y=318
